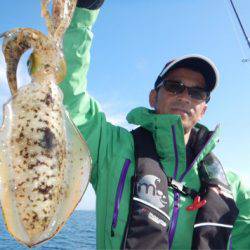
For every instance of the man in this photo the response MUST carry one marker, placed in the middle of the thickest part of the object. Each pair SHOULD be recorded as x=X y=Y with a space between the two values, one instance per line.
x=155 y=211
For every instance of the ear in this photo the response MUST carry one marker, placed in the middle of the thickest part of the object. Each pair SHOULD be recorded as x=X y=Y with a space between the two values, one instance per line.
x=153 y=99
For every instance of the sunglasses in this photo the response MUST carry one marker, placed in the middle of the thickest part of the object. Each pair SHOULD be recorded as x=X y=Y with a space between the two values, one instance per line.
x=177 y=87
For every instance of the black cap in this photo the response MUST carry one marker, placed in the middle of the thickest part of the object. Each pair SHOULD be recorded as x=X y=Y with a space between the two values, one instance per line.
x=194 y=62
x=90 y=4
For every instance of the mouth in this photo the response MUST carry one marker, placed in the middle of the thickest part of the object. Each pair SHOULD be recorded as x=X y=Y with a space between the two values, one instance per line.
x=180 y=111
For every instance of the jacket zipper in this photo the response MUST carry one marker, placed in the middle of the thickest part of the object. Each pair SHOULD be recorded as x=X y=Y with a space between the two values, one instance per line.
x=175 y=214
x=119 y=194
x=174 y=218
x=230 y=243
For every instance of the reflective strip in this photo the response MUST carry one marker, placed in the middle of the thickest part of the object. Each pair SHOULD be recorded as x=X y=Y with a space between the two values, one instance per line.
x=212 y=224
x=152 y=206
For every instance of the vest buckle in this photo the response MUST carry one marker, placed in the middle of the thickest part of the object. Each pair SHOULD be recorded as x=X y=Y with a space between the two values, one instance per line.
x=177 y=186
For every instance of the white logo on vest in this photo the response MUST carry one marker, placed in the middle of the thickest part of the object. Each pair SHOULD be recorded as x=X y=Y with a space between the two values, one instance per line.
x=149 y=189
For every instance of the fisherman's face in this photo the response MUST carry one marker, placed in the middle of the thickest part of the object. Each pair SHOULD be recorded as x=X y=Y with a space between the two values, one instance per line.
x=190 y=110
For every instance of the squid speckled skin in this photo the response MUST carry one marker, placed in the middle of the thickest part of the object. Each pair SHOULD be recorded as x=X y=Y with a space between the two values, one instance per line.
x=45 y=164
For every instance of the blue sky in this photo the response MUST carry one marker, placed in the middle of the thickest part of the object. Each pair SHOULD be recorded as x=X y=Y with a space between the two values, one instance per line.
x=132 y=42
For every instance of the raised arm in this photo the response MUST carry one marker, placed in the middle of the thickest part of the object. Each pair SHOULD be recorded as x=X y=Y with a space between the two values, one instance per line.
x=82 y=108
x=100 y=135
x=77 y=44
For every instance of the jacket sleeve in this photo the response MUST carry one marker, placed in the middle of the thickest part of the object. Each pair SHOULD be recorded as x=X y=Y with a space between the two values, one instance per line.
x=241 y=230
x=83 y=109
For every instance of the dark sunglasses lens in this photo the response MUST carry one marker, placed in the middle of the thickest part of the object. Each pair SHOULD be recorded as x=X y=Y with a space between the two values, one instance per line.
x=178 y=88
x=198 y=94
x=174 y=87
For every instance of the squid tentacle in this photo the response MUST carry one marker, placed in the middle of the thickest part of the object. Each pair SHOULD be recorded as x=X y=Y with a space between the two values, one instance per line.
x=47 y=57
x=58 y=22
x=16 y=43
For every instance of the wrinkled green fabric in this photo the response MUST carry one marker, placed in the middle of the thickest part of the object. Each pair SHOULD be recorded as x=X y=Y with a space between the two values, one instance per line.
x=111 y=145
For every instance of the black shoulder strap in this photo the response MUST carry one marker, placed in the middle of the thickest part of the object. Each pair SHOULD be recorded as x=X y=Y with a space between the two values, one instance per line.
x=211 y=172
x=148 y=221
x=144 y=137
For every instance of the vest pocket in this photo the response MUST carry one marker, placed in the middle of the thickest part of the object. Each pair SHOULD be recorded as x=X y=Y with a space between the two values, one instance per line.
x=214 y=222
x=147 y=226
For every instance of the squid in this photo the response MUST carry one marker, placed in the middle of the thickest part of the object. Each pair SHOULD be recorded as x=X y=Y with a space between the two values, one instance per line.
x=45 y=164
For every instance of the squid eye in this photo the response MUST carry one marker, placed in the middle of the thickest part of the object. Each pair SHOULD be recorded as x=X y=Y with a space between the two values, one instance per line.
x=30 y=64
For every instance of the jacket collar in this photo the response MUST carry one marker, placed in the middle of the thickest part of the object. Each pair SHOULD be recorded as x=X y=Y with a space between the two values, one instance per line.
x=168 y=134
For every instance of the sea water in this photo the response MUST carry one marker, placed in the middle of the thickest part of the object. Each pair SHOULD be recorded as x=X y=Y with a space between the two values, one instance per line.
x=78 y=233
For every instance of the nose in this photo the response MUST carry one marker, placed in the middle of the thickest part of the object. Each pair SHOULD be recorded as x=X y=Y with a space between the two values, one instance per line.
x=184 y=97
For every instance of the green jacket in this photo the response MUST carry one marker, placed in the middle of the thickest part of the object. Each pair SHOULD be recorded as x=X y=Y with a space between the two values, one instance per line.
x=111 y=146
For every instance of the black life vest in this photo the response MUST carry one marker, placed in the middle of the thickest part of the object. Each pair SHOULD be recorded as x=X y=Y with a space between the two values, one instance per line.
x=148 y=221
